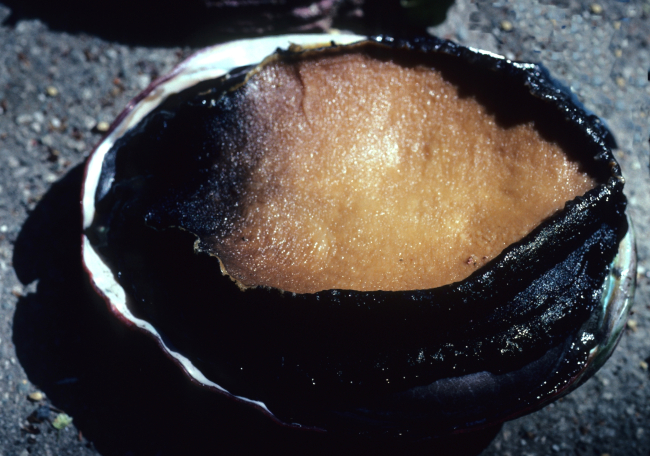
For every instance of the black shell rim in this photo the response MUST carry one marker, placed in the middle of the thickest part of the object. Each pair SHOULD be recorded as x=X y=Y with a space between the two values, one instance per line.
x=582 y=214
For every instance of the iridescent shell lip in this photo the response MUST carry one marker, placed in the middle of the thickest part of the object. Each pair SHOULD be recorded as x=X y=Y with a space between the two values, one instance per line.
x=409 y=408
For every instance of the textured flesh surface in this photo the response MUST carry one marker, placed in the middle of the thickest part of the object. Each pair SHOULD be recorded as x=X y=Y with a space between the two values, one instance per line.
x=370 y=175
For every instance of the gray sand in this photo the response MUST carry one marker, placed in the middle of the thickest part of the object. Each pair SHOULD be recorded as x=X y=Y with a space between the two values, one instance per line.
x=56 y=90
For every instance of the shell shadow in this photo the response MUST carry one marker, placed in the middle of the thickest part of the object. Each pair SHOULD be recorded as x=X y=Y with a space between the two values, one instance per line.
x=123 y=394
x=205 y=22
x=138 y=22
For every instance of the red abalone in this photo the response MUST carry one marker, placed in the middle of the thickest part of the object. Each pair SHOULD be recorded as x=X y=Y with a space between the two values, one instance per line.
x=213 y=170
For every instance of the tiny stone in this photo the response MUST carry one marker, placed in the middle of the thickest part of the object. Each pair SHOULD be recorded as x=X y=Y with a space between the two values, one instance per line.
x=23 y=119
x=643 y=365
x=52 y=91
x=556 y=448
x=23 y=387
x=618 y=53
x=79 y=146
x=20 y=172
x=462 y=33
x=103 y=126
x=43 y=412
x=143 y=81
x=55 y=122
x=633 y=325
x=595 y=8
x=90 y=123
x=620 y=82
x=506 y=26
x=36 y=396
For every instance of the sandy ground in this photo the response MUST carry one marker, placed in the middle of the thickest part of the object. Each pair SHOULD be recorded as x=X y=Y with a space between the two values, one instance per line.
x=61 y=77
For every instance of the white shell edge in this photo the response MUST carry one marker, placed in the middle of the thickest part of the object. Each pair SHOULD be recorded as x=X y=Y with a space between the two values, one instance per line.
x=208 y=63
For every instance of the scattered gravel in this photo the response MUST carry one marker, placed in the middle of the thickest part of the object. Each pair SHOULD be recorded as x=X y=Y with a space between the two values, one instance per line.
x=59 y=92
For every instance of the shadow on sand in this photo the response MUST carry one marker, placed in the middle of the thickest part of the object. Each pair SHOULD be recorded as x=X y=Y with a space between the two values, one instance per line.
x=205 y=22
x=123 y=393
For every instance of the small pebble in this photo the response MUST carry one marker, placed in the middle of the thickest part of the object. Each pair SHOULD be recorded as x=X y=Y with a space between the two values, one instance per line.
x=143 y=81
x=23 y=119
x=618 y=53
x=23 y=387
x=506 y=26
x=643 y=365
x=42 y=413
x=462 y=33
x=103 y=126
x=620 y=82
x=52 y=91
x=633 y=325
x=596 y=8
x=89 y=123
x=36 y=396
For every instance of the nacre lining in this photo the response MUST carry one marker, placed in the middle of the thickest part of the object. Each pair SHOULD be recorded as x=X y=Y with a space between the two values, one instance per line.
x=367 y=171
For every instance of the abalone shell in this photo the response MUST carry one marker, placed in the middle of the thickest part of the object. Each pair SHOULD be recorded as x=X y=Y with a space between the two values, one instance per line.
x=520 y=331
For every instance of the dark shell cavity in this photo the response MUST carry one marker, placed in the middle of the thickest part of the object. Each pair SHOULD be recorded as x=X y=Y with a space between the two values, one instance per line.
x=433 y=361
